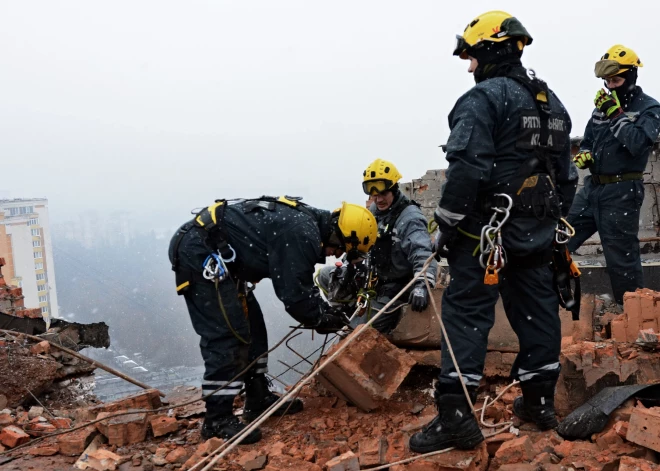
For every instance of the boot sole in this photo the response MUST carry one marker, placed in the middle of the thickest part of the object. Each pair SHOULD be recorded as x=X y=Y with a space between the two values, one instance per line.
x=252 y=416
x=462 y=443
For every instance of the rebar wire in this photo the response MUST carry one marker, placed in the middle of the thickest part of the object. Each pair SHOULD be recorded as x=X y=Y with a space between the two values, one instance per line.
x=137 y=411
x=227 y=447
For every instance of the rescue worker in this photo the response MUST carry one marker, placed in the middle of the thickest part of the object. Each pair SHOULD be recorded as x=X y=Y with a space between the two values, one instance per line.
x=401 y=249
x=509 y=140
x=615 y=148
x=232 y=244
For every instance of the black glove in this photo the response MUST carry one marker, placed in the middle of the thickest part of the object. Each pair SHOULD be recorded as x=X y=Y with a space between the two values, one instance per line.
x=419 y=297
x=331 y=320
x=441 y=242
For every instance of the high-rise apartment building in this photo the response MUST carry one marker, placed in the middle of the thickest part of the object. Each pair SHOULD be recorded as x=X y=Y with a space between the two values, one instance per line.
x=26 y=245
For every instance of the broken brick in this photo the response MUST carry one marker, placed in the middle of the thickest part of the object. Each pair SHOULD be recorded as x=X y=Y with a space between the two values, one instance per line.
x=148 y=399
x=125 y=429
x=608 y=439
x=100 y=459
x=74 y=443
x=628 y=463
x=6 y=419
x=40 y=348
x=253 y=460
x=162 y=425
x=345 y=462
x=12 y=436
x=61 y=422
x=178 y=455
x=323 y=454
x=454 y=460
x=632 y=309
x=397 y=447
x=495 y=442
x=44 y=450
x=372 y=451
x=282 y=463
x=515 y=451
x=644 y=428
x=621 y=428
x=369 y=370
x=35 y=412
x=518 y=467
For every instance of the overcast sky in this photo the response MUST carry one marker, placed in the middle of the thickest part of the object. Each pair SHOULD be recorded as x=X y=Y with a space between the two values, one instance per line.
x=156 y=107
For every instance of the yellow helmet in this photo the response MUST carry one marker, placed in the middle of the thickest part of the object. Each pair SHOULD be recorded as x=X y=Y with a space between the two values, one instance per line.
x=494 y=26
x=380 y=175
x=358 y=229
x=617 y=60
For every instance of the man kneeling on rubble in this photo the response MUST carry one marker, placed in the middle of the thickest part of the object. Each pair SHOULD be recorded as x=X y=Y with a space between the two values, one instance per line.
x=230 y=245
x=402 y=248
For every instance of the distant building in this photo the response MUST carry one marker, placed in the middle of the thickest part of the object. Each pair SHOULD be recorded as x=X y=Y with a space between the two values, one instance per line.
x=25 y=244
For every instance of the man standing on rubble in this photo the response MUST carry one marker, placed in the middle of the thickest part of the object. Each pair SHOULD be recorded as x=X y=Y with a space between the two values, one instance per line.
x=509 y=149
x=227 y=247
x=615 y=148
x=402 y=248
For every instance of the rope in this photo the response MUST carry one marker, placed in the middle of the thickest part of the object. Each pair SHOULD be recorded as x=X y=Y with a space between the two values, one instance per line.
x=224 y=314
x=222 y=451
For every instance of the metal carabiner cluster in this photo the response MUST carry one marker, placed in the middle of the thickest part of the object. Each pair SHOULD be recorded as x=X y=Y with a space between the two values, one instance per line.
x=563 y=232
x=215 y=267
x=493 y=256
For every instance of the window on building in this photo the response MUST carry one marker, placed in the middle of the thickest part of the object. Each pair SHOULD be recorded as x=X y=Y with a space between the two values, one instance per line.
x=35 y=232
x=38 y=254
x=43 y=299
x=39 y=266
x=36 y=243
x=33 y=222
x=44 y=309
x=41 y=288
x=41 y=276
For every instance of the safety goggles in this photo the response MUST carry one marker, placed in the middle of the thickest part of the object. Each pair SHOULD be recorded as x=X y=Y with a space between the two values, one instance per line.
x=607 y=68
x=461 y=47
x=375 y=187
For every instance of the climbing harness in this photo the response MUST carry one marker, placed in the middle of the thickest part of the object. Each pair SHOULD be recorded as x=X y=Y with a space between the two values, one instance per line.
x=493 y=256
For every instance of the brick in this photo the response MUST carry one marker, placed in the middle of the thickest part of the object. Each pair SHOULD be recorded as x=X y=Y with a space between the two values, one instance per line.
x=149 y=399
x=252 y=460
x=345 y=462
x=33 y=313
x=74 y=443
x=608 y=439
x=628 y=463
x=12 y=436
x=515 y=451
x=372 y=451
x=100 y=459
x=632 y=309
x=123 y=430
x=61 y=422
x=397 y=447
x=621 y=428
x=162 y=425
x=209 y=446
x=644 y=428
x=647 y=304
x=178 y=455
x=6 y=419
x=454 y=460
x=369 y=370
x=518 y=467
x=323 y=454
x=285 y=463
x=495 y=366
x=44 y=450
x=40 y=348
x=495 y=442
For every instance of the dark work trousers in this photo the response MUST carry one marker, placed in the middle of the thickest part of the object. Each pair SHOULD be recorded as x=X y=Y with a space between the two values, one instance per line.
x=224 y=354
x=613 y=210
x=468 y=313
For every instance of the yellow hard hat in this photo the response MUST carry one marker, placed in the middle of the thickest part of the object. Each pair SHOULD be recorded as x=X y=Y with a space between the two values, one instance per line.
x=380 y=175
x=494 y=26
x=358 y=229
x=617 y=60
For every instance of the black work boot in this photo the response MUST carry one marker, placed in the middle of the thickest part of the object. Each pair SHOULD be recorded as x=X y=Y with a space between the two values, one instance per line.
x=454 y=426
x=258 y=398
x=221 y=422
x=537 y=404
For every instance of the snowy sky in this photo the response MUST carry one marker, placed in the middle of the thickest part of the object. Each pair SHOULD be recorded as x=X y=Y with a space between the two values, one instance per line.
x=156 y=107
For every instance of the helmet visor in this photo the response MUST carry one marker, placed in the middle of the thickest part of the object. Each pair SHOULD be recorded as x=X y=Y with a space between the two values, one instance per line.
x=375 y=187
x=607 y=68
x=461 y=47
